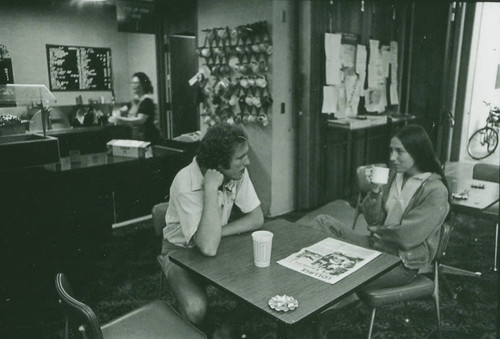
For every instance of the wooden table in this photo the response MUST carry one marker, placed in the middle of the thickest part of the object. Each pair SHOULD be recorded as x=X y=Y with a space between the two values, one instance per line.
x=481 y=202
x=233 y=270
x=478 y=199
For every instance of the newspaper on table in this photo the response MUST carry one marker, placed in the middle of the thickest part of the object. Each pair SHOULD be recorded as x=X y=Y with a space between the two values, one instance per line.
x=329 y=260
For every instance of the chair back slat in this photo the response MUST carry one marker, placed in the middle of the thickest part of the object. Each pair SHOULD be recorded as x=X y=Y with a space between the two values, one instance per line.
x=444 y=237
x=158 y=213
x=486 y=172
x=80 y=317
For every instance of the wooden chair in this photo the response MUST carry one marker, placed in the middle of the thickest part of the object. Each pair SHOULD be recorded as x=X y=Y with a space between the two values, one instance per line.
x=154 y=320
x=158 y=212
x=489 y=172
x=422 y=286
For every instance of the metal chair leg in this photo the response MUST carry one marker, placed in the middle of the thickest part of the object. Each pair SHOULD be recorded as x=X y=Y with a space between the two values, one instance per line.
x=372 y=321
x=458 y=271
x=161 y=284
x=66 y=328
x=436 y=297
x=496 y=249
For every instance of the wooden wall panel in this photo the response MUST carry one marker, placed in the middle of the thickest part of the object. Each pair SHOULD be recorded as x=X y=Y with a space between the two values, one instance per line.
x=335 y=153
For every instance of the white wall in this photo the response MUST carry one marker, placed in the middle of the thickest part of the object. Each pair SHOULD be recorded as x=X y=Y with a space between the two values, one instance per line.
x=483 y=73
x=283 y=149
x=272 y=147
x=142 y=57
x=25 y=30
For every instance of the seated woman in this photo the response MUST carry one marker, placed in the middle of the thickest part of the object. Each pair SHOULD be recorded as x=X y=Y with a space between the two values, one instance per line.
x=404 y=216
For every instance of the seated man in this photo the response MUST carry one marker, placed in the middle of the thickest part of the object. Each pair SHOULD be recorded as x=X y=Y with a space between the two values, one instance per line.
x=201 y=198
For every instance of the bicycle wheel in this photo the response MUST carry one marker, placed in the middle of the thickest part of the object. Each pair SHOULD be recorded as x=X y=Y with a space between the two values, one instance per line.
x=482 y=143
x=492 y=136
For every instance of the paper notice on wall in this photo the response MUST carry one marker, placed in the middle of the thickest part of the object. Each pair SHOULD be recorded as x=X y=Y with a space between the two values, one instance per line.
x=393 y=94
x=394 y=52
x=374 y=55
x=375 y=99
x=352 y=95
x=329 y=100
x=394 y=62
x=341 y=103
x=333 y=58
x=361 y=59
x=376 y=65
x=394 y=73
x=332 y=45
x=376 y=73
x=385 y=54
x=333 y=72
x=348 y=55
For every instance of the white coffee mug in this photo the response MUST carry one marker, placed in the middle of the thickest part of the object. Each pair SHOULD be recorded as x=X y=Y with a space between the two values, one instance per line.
x=380 y=175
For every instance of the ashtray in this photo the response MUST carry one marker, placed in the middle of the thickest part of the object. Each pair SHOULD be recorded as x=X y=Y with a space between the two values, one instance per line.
x=283 y=303
x=460 y=196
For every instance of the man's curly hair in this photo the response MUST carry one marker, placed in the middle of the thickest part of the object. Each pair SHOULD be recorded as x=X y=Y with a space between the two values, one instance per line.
x=218 y=144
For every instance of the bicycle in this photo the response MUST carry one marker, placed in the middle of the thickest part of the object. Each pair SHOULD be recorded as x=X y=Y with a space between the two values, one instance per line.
x=484 y=141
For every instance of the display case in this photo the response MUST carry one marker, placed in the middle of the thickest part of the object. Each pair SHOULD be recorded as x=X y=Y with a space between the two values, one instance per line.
x=18 y=148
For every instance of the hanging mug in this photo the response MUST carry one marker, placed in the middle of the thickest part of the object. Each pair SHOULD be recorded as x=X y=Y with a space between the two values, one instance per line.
x=263 y=67
x=261 y=82
x=256 y=102
x=254 y=66
x=263 y=119
x=244 y=82
x=249 y=100
x=234 y=100
x=205 y=52
x=255 y=48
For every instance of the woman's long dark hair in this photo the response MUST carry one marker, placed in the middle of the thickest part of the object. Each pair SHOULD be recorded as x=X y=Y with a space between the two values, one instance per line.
x=417 y=143
x=145 y=82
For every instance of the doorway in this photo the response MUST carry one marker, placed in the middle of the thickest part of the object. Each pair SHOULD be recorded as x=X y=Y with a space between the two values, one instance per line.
x=483 y=79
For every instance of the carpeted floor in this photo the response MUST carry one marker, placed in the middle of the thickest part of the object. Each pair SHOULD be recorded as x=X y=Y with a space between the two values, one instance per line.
x=122 y=274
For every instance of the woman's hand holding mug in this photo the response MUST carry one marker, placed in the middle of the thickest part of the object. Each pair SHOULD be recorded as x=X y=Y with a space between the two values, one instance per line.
x=377 y=177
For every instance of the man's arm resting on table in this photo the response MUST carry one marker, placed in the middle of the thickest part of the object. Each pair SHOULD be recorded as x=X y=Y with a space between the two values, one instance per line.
x=249 y=222
x=208 y=243
x=209 y=232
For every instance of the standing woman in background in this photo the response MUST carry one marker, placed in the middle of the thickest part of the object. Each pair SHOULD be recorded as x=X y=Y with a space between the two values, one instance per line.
x=140 y=112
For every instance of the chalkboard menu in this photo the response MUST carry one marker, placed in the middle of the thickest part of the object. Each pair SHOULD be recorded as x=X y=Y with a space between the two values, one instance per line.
x=74 y=68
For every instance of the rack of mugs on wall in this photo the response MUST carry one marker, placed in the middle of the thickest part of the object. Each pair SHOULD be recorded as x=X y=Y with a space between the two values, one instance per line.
x=233 y=82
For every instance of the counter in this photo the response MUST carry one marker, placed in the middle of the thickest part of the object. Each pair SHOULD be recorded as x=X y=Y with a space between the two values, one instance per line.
x=55 y=217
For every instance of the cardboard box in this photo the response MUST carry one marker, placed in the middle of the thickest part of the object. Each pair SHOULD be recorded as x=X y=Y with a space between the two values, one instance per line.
x=130 y=148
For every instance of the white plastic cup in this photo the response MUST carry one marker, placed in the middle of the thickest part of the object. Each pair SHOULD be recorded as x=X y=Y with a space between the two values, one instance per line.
x=262 y=244
x=380 y=175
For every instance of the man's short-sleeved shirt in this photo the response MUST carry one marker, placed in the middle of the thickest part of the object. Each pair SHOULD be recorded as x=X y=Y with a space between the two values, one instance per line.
x=186 y=203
